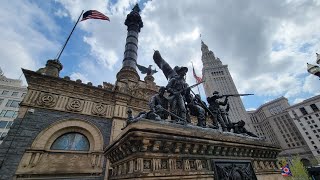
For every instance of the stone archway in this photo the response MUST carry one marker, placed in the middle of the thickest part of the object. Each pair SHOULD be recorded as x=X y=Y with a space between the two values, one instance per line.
x=45 y=139
x=41 y=160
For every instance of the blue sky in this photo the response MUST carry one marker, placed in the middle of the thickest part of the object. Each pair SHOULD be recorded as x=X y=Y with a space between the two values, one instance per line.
x=265 y=44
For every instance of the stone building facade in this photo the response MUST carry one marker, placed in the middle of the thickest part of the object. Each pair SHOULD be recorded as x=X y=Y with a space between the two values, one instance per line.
x=218 y=78
x=11 y=94
x=306 y=117
x=273 y=121
x=63 y=125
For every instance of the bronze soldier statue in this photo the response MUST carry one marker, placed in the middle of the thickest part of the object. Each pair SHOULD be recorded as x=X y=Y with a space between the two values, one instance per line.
x=214 y=107
x=177 y=87
x=225 y=116
x=195 y=105
x=159 y=99
x=240 y=129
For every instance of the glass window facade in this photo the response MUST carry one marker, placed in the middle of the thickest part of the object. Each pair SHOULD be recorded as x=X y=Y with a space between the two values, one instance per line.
x=13 y=103
x=4 y=92
x=15 y=94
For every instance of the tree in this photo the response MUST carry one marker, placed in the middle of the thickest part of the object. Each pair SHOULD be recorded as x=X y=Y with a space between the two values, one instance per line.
x=299 y=172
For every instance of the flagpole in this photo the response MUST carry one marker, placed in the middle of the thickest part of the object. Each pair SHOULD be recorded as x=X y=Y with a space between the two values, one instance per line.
x=59 y=54
x=197 y=82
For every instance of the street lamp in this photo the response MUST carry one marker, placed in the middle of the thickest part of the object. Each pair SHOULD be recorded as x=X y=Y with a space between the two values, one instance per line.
x=314 y=69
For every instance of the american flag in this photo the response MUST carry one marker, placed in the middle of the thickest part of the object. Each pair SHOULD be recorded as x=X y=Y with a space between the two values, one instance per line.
x=198 y=79
x=285 y=171
x=94 y=14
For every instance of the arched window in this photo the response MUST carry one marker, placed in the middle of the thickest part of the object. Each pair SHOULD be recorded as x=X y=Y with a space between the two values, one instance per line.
x=72 y=142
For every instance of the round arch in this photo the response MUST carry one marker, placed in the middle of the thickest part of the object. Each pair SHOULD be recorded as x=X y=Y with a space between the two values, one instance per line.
x=45 y=138
x=305 y=162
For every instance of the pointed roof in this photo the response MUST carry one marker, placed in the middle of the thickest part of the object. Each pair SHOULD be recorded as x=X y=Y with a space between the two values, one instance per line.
x=204 y=47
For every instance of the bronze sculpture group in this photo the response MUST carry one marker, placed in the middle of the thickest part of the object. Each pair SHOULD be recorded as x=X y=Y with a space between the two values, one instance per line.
x=183 y=102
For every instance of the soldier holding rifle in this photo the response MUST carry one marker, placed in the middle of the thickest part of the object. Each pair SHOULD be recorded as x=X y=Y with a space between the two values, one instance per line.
x=159 y=99
x=214 y=107
x=195 y=105
x=177 y=87
x=219 y=115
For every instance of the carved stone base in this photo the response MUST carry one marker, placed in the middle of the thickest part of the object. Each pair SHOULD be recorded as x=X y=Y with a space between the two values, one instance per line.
x=128 y=73
x=162 y=150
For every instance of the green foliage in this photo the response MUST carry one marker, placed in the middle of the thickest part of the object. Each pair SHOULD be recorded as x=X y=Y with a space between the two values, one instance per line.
x=299 y=172
x=282 y=161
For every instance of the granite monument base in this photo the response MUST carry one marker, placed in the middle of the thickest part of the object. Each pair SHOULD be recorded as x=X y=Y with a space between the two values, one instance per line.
x=161 y=150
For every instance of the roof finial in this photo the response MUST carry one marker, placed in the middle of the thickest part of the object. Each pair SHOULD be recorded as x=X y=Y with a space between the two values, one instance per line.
x=136 y=8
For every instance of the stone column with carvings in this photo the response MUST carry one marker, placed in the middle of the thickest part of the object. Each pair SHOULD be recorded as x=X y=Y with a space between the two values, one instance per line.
x=134 y=24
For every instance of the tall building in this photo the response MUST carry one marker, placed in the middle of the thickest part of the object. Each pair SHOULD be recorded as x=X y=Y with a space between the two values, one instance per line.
x=11 y=94
x=218 y=78
x=306 y=116
x=272 y=121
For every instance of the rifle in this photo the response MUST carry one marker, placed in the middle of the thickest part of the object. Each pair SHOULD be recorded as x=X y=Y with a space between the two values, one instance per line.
x=172 y=114
x=204 y=106
x=184 y=89
x=235 y=95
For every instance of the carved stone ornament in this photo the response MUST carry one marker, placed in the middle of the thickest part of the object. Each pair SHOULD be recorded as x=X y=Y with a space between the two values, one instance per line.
x=99 y=109
x=234 y=170
x=47 y=100
x=75 y=105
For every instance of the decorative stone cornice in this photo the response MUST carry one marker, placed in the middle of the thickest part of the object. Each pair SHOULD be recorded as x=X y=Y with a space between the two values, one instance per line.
x=62 y=94
x=149 y=146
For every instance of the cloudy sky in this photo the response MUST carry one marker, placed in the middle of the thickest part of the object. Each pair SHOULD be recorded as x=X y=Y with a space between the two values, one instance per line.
x=266 y=44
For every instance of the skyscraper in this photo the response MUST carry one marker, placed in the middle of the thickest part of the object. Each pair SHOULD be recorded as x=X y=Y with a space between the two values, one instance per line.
x=217 y=78
x=11 y=94
x=306 y=117
x=294 y=128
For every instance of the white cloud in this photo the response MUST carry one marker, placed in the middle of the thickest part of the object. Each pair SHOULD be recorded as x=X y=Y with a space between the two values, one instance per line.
x=312 y=85
x=76 y=75
x=265 y=44
x=251 y=109
x=73 y=8
x=298 y=100
x=107 y=58
x=23 y=43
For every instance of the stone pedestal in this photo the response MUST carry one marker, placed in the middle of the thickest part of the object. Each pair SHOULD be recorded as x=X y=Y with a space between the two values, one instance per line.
x=162 y=150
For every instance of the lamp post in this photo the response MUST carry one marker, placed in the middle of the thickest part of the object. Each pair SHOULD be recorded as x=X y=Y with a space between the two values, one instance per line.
x=314 y=69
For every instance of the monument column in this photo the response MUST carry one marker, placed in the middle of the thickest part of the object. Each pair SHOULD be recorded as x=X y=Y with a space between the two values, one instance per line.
x=134 y=24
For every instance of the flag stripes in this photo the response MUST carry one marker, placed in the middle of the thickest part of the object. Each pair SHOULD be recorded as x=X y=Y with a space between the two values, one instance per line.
x=94 y=14
x=198 y=79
